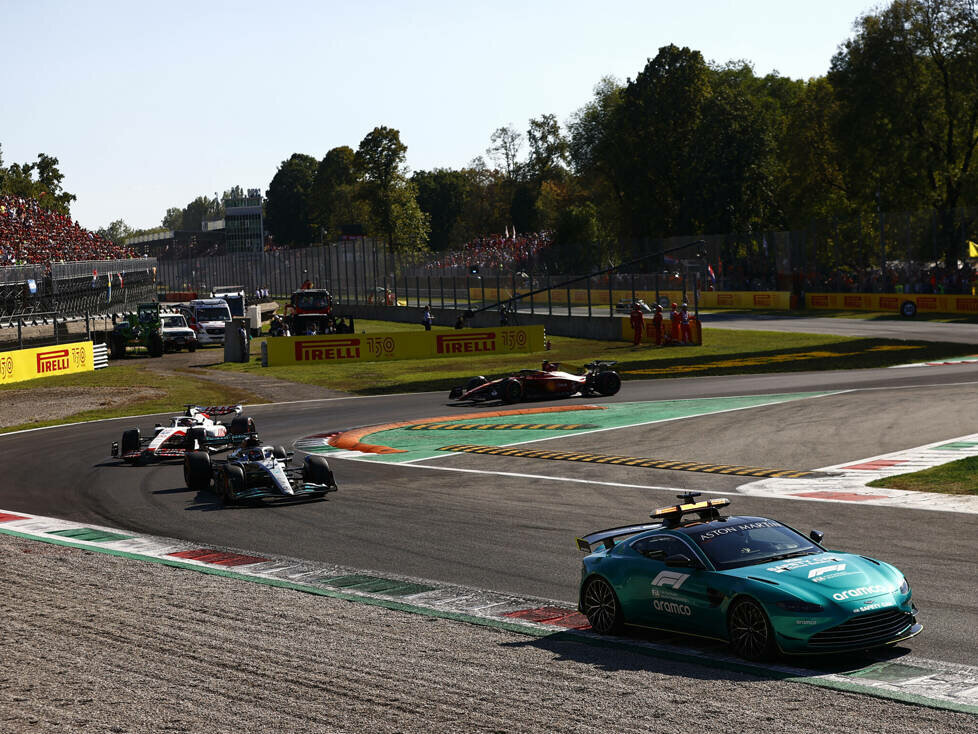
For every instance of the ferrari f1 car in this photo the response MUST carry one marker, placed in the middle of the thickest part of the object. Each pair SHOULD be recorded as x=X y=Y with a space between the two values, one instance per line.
x=197 y=428
x=547 y=382
x=255 y=472
x=754 y=582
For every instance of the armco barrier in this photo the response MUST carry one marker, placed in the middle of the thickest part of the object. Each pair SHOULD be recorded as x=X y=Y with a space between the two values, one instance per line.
x=932 y=303
x=339 y=348
x=29 y=364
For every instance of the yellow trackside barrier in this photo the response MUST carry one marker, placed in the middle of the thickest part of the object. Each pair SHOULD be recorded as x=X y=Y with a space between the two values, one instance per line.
x=627 y=333
x=599 y=297
x=389 y=346
x=29 y=364
x=932 y=303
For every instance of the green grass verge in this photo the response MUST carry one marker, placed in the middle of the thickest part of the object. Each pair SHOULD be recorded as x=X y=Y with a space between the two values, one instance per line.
x=170 y=392
x=725 y=352
x=956 y=477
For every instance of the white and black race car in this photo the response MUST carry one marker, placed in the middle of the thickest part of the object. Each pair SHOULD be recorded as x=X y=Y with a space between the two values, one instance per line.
x=197 y=428
x=255 y=472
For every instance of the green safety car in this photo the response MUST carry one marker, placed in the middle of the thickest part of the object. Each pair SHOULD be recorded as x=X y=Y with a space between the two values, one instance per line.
x=752 y=581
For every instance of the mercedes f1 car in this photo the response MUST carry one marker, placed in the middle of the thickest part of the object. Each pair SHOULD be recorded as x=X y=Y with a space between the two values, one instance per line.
x=254 y=472
x=197 y=428
x=754 y=582
x=547 y=382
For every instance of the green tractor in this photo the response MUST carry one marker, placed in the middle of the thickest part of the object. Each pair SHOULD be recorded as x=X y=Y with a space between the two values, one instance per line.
x=140 y=329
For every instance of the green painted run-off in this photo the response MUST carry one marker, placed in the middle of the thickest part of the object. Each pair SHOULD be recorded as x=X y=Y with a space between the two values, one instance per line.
x=375 y=585
x=90 y=534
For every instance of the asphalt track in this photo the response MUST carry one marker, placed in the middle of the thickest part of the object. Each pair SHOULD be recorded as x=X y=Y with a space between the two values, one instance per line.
x=514 y=532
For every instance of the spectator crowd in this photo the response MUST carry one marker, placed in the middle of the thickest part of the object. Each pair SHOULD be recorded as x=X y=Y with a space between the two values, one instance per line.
x=32 y=235
x=505 y=251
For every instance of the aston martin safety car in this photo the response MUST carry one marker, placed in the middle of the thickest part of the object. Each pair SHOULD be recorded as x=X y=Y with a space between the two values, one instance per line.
x=547 y=382
x=752 y=581
x=196 y=428
x=255 y=472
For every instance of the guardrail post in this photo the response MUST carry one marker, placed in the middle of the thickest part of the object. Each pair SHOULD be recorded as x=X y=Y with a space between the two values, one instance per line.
x=550 y=300
x=589 y=296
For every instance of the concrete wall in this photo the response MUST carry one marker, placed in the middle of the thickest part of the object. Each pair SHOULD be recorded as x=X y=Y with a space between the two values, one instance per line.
x=598 y=327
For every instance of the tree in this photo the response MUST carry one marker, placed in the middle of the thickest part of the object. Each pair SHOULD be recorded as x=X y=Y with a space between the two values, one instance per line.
x=333 y=195
x=117 y=231
x=380 y=161
x=287 y=207
x=505 y=150
x=173 y=219
x=907 y=86
x=443 y=195
x=548 y=149
x=19 y=180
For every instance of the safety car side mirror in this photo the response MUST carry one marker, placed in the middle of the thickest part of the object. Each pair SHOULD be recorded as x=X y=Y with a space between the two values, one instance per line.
x=816 y=535
x=680 y=560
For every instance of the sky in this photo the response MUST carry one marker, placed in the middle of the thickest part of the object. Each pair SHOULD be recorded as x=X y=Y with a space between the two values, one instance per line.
x=149 y=105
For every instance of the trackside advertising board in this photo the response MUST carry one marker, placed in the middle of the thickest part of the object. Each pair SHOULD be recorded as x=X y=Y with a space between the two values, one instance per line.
x=926 y=303
x=599 y=297
x=28 y=364
x=342 y=348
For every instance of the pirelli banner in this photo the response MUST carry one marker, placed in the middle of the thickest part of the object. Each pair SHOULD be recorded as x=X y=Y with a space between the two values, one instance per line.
x=29 y=364
x=926 y=303
x=342 y=348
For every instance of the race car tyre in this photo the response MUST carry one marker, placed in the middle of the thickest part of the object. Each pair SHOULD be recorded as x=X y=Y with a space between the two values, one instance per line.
x=749 y=631
x=511 y=391
x=197 y=470
x=233 y=483
x=607 y=383
x=196 y=438
x=156 y=345
x=456 y=393
x=130 y=442
x=243 y=424
x=908 y=309
x=280 y=453
x=315 y=470
x=474 y=383
x=601 y=607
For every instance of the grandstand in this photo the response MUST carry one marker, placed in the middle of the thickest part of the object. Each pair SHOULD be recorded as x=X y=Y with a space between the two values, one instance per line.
x=53 y=269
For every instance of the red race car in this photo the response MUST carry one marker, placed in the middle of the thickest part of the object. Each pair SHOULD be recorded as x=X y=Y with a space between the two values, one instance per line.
x=547 y=382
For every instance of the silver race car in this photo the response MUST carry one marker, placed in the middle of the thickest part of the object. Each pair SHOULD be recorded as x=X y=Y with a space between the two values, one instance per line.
x=255 y=472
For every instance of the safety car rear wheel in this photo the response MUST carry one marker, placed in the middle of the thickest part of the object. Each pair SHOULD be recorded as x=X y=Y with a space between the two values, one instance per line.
x=607 y=383
x=600 y=605
x=511 y=391
x=749 y=631
x=197 y=470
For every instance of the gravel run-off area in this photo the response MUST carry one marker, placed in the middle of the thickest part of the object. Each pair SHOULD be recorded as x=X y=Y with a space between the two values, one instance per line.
x=97 y=643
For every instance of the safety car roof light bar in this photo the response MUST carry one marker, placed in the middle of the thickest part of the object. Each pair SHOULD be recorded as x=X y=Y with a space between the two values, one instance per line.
x=706 y=510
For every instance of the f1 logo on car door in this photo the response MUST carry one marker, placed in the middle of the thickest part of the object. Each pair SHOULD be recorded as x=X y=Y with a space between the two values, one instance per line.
x=670 y=578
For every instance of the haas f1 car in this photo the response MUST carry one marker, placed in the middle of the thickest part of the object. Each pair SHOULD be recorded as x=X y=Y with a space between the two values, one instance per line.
x=547 y=382
x=254 y=472
x=197 y=428
x=753 y=582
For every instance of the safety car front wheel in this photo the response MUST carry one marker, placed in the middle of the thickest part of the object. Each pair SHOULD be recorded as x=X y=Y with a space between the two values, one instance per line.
x=600 y=605
x=749 y=631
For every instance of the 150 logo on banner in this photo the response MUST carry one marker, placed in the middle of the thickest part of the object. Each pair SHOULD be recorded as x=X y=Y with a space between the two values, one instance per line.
x=380 y=346
x=6 y=367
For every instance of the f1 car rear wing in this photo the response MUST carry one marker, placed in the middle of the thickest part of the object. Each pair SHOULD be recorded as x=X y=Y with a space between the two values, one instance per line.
x=607 y=538
x=213 y=411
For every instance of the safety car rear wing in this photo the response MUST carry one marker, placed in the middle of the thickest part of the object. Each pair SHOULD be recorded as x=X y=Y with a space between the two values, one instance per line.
x=608 y=537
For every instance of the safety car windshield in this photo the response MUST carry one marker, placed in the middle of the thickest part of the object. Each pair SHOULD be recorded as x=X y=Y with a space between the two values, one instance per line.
x=749 y=541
